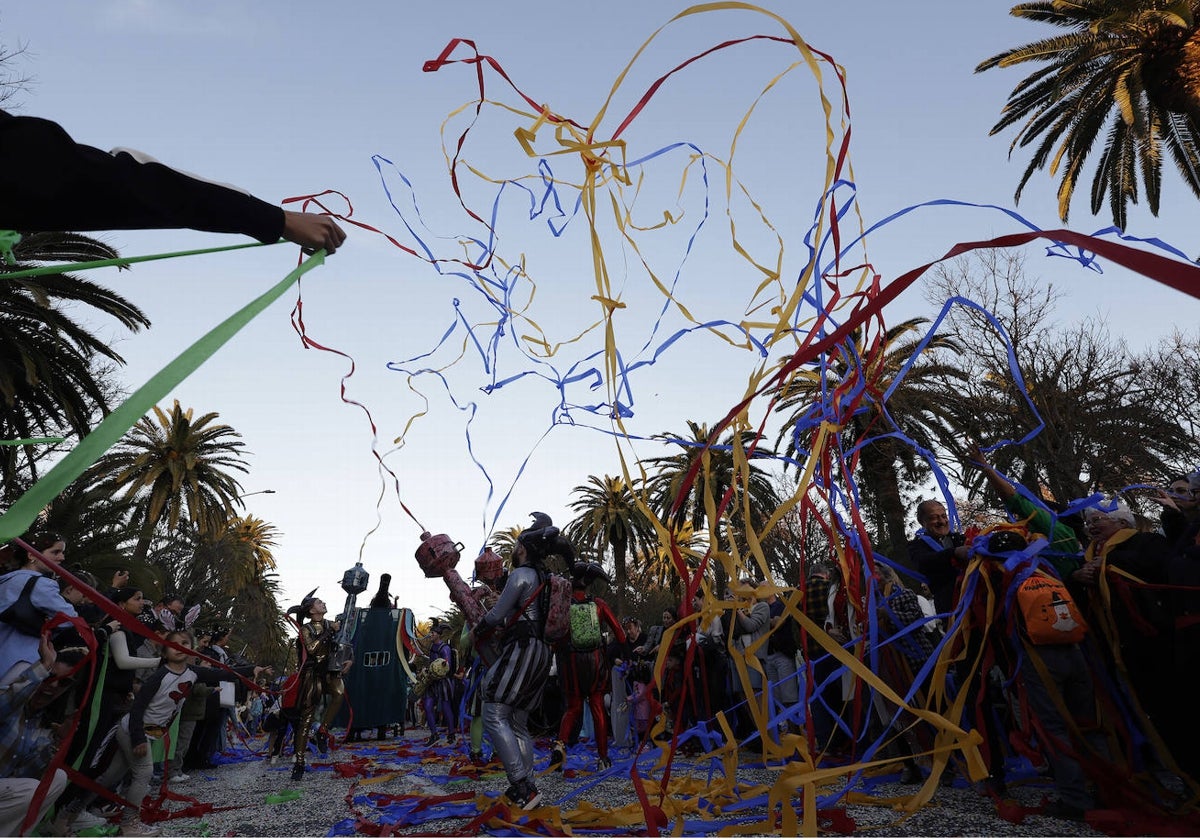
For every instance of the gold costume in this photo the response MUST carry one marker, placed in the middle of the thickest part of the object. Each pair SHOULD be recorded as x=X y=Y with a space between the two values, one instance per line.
x=317 y=682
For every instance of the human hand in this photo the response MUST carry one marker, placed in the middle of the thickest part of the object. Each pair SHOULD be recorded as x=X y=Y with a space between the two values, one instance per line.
x=1163 y=498
x=975 y=457
x=346 y=666
x=1086 y=573
x=311 y=230
x=141 y=749
x=46 y=650
x=120 y=578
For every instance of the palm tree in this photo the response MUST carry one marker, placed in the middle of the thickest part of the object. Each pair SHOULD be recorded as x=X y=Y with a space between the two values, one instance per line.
x=717 y=471
x=1136 y=60
x=53 y=376
x=245 y=551
x=174 y=467
x=609 y=518
x=850 y=393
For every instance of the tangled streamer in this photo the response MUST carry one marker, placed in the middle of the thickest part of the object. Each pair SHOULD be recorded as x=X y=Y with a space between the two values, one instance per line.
x=807 y=300
x=592 y=173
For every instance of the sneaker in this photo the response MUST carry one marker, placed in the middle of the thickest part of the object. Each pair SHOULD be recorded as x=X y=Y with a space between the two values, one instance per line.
x=526 y=796
x=137 y=828
x=273 y=760
x=85 y=820
x=603 y=763
x=558 y=756
x=451 y=740
x=432 y=739
x=477 y=758
x=178 y=777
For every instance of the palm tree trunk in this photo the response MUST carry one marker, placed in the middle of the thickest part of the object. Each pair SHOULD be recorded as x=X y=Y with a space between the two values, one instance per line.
x=878 y=468
x=621 y=576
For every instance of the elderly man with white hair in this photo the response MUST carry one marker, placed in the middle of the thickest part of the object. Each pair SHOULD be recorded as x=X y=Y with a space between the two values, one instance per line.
x=1121 y=567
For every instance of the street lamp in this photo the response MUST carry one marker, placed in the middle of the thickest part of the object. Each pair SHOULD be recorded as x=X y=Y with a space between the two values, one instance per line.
x=255 y=493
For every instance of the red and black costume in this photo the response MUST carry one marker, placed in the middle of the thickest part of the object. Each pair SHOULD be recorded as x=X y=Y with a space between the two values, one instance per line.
x=584 y=674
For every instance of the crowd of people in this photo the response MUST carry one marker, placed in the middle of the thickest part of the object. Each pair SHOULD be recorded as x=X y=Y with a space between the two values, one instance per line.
x=1060 y=640
x=114 y=695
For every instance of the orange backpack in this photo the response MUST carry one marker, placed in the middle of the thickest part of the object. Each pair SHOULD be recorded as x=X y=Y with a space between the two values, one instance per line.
x=1051 y=617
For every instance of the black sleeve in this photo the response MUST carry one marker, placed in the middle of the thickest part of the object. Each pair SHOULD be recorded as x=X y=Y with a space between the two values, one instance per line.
x=51 y=183
x=939 y=569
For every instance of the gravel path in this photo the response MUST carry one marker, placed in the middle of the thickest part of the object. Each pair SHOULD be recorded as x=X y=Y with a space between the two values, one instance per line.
x=417 y=791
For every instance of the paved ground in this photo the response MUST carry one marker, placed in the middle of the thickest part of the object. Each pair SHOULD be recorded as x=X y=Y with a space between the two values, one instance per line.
x=398 y=786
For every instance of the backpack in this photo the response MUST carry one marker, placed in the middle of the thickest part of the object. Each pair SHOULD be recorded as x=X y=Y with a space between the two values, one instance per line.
x=1051 y=617
x=556 y=607
x=585 y=625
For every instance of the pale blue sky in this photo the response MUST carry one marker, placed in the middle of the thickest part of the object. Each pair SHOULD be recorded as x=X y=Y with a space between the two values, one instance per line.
x=293 y=98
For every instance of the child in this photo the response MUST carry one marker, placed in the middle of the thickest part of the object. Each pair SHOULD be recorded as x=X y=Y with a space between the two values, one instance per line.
x=154 y=708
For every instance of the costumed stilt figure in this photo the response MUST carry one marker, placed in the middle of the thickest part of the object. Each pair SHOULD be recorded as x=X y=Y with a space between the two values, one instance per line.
x=583 y=663
x=317 y=682
x=514 y=682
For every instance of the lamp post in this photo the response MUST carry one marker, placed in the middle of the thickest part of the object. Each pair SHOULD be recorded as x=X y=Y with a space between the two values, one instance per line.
x=255 y=493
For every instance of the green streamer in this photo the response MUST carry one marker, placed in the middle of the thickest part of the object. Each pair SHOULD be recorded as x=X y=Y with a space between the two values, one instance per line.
x=25 y=510
x=31 y=441
x=120 y=262
x=97 y=702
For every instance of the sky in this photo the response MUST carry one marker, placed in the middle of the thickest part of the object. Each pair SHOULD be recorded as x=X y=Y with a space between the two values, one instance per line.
x=289 y=99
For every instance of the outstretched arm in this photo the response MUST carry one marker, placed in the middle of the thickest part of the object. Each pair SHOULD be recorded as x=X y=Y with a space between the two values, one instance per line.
x=53 y=183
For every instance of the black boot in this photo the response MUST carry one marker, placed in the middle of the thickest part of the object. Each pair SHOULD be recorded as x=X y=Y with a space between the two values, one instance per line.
x=297 y=771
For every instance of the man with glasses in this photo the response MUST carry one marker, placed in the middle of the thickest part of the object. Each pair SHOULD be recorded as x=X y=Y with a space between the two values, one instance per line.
x=27 y=741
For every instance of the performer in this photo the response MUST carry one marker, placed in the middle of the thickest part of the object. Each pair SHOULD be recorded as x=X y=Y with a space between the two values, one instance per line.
x=489 y=580
x=439 y=693
x=583 y=664
x=315 y=644
x=514 y=682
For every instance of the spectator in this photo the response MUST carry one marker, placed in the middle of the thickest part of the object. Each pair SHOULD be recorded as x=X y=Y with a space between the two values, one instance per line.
x=29 y=597
x=709 y=675
x=27 y=741
x=820 y=665
x=783 y=647
x=750 y=620
x=116 y=692
x=1064 y=549
x=900 y=613
x=1122 y=568
x=932 y=553
x=1180 y=507
x=1049 y=667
